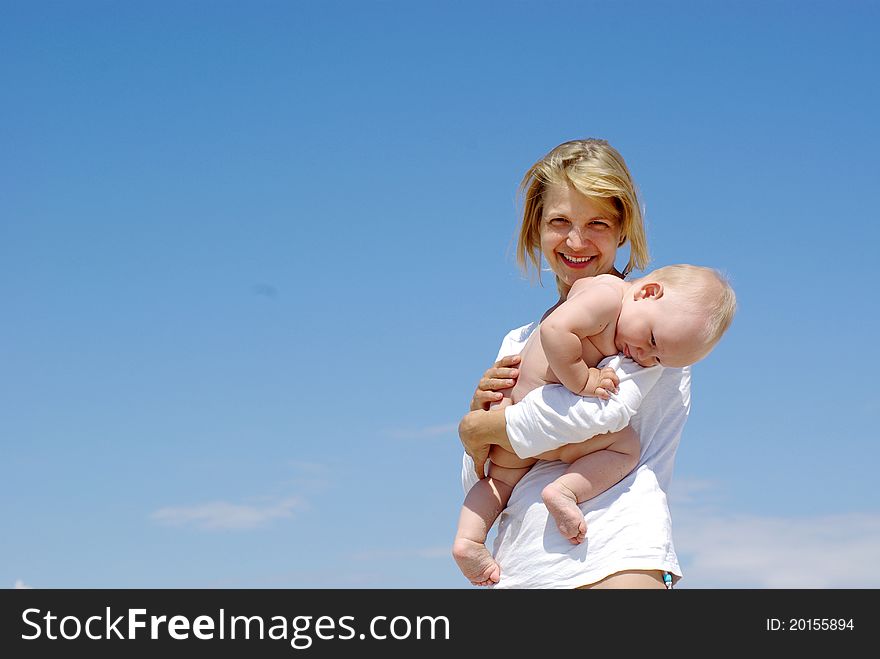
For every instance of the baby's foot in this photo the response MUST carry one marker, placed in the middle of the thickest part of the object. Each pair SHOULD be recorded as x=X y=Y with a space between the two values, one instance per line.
x=475 y=562
x=562 y=504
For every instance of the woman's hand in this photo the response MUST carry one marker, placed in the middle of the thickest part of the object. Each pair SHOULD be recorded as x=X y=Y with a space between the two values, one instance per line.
x=478 y=431
x=502 y=375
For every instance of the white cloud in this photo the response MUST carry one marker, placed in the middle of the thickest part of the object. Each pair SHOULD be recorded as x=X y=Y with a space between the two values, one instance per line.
x=728 y=550
x=221 y=515
x=21 y=585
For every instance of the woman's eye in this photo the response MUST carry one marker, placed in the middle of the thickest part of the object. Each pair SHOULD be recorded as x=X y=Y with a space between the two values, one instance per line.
x=599 y=225
x=558 y=221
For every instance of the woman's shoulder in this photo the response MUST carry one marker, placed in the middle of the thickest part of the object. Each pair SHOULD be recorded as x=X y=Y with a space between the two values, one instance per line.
x=521 y=333
x=674 y=384
x=515 y=339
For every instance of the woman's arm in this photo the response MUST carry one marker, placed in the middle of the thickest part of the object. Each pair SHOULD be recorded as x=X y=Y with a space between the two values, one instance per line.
x=551 y=416
x=478 y=431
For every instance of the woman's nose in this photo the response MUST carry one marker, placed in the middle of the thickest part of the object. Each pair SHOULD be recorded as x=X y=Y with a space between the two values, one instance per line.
x=575 y=239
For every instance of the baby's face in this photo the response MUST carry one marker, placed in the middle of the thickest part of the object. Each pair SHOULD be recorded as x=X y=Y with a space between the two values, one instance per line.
x=661 y=330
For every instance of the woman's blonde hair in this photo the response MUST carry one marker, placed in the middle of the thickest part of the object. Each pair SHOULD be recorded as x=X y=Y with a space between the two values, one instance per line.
x=595 y=169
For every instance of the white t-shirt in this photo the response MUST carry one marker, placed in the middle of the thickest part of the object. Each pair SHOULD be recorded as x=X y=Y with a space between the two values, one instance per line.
x=628 y=526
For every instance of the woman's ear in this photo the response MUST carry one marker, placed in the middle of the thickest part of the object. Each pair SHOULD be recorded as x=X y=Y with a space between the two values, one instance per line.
x=651 y=289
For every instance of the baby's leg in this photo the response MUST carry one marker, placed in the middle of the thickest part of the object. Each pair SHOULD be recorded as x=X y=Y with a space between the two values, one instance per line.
x=481 y=508
x=587 y=477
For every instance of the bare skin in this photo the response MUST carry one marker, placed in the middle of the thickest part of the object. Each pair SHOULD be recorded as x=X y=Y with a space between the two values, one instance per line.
x=642 y=579
x=482 y=429
x=562 y=503
x=489 y=496
x=483 y=504
x=602 y=316
x=578 y=240
x=591 y=310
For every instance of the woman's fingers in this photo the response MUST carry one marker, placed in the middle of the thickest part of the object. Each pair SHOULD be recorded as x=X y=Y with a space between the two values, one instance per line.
x=496 y=383
x=480 y=466
x=499 y=378
x=510 y=360
x=482 y=399
x=502 y=375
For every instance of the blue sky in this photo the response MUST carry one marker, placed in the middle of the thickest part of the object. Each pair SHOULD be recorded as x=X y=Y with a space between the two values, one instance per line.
x=255 y=256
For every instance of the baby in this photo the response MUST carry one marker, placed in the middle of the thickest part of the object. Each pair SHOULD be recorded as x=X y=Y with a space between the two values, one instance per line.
x=672 y=316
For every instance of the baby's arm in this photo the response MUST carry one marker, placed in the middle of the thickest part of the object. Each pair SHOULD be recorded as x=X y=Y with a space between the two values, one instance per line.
x=562 y=334
x=551 y=416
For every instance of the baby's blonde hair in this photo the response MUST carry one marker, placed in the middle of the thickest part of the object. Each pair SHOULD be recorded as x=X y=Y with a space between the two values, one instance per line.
x=595 y=169
x=704 y=287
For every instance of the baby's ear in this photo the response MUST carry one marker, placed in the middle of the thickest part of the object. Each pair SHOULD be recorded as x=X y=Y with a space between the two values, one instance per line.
x=650 y=289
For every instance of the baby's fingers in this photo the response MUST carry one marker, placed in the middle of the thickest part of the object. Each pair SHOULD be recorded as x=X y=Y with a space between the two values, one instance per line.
x=611 y=374
x=609 y=385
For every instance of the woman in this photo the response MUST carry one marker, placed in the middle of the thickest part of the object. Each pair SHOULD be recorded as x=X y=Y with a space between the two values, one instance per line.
x=580 y=206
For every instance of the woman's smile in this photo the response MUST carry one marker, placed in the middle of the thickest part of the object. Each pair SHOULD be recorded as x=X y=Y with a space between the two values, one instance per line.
x=575 y=261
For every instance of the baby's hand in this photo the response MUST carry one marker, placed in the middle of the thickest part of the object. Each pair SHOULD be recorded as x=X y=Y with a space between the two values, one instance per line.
x=601 y=383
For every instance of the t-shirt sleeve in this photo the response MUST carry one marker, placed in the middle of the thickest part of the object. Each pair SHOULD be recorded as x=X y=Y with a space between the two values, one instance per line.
x=468 y=473
x=515 y=340
x=552 y=416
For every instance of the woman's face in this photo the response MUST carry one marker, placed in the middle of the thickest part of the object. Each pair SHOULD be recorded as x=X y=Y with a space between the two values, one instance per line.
x=577 y=238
